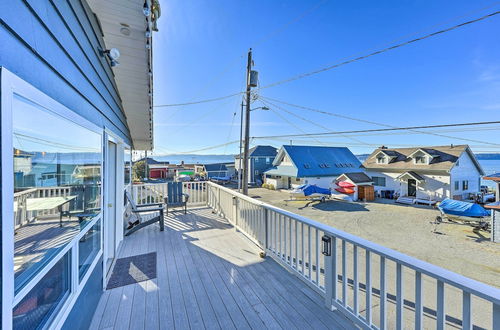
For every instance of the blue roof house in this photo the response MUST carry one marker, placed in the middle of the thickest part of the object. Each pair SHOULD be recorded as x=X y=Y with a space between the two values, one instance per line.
x=260 y=160
x=297 y=165
x=76 y=97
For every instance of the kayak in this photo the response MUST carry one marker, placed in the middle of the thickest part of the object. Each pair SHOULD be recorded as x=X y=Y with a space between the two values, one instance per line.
x=345 y=190
x=345 y=184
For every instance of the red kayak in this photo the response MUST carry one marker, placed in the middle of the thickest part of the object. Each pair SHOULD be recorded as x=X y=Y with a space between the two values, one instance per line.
x=345 y=184
x=347 y=191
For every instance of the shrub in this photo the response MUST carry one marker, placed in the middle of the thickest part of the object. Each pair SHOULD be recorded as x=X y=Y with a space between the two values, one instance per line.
x=271 y=187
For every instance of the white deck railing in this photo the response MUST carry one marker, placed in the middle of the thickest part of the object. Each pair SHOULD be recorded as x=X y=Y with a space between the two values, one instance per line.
x=376 y=287
x=145 y=193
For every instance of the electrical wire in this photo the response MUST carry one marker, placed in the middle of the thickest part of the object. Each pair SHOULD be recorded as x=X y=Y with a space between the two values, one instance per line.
x=384 y=130
x=198 y=102
x=312 y=122
x=259 y=42
x=290 y=123
x=330 y=67
x=376 y=123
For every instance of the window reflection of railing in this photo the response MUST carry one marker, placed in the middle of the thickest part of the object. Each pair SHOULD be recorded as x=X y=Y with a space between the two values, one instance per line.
x=87 y=200
x=21 y=213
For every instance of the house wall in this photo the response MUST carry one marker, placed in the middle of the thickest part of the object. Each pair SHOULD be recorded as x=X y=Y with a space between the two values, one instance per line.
x=322 y=182
x=259 y=166
x=466 y=170
x=436 y=186
x=86 y=303
x=52 y=45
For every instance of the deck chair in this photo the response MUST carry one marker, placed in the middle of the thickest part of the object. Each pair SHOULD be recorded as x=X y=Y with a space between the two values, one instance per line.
x=175 y=197
x=133 y=213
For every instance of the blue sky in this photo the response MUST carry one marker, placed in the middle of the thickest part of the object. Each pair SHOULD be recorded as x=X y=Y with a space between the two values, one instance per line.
x=200 y=52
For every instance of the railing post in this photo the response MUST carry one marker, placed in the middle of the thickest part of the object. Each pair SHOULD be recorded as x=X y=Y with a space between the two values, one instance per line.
x=329 y=267
x=496 y=317
x=266 y=229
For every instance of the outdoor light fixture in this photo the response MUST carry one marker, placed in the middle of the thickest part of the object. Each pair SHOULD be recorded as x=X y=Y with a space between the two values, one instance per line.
x=113 y=54
x=147 y=34
x=146 y=10
x=327 y=245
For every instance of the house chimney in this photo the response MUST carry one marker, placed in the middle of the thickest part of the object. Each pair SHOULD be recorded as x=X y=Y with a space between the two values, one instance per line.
x=383 y=147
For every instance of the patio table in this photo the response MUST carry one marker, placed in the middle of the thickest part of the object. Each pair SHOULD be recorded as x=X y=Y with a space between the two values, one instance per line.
x=48 y=203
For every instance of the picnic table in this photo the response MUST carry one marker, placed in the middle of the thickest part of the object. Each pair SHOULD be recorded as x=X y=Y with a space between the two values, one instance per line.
x=48 y=203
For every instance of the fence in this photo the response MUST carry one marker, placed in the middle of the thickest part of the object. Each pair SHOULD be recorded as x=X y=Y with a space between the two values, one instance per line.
x=374 y=286
x=156 y=192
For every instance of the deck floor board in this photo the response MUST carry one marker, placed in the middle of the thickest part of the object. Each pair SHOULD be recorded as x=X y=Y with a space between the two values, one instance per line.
x=210 y=276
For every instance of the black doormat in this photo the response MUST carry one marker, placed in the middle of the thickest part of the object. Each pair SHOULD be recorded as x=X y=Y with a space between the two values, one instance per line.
x=132 y=270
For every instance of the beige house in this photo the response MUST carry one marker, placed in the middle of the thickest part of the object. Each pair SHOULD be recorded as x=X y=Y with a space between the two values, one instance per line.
x=428 y=173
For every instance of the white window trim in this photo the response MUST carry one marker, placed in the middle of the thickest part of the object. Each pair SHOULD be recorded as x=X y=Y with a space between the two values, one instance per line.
x=11 y=85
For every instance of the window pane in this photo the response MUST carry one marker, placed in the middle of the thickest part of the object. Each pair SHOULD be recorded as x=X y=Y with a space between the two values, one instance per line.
x=127 y=165
x=46 y=296
x=57 y=184
x=88 y=247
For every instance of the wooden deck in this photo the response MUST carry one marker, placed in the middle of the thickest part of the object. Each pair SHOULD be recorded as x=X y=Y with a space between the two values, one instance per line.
x=210 y=276
x=37 y=240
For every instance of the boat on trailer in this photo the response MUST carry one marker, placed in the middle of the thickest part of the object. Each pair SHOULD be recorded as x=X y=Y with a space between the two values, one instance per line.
x=463 y=212
x=311 y=192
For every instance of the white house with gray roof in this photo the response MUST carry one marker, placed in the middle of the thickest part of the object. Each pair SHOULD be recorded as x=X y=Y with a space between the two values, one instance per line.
x=425 y=173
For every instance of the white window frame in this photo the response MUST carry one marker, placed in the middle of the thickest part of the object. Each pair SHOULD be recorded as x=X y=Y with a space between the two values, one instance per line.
x=11 y=85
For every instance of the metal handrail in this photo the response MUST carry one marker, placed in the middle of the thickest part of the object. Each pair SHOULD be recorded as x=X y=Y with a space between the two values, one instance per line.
x=443 y=276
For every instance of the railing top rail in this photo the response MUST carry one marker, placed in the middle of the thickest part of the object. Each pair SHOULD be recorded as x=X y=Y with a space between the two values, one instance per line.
x=27 y=191
x=477 y=288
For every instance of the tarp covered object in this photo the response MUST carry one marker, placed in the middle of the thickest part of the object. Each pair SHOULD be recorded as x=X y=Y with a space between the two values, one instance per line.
x=464 y=209
x=312 y=189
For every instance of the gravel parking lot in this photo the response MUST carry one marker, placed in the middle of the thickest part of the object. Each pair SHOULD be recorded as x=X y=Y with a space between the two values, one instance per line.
x=408 y=229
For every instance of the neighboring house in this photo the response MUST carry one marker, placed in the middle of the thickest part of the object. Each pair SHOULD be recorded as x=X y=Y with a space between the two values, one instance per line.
x=363 y=188
x=296 y=165
x=212 y=170
x=260 y=159
x=157 y=169
x=69 y=112
x=425 y=172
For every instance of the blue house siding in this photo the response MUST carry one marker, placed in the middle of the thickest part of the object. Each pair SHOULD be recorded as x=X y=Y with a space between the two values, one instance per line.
x=84 y=307
x=260 y=165
x=53 y=46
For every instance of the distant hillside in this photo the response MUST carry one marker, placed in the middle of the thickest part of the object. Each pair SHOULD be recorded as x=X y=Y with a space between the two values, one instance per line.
x=362 y=157
x=488 y=156
x=195 y=159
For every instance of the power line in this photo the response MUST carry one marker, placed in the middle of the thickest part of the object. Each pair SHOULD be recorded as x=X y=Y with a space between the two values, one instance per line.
x=312 y=122
x=198 y=102
x=375 y=123
x=384 y=130
x=290 y=123
x=307 y=74
x=260 y=41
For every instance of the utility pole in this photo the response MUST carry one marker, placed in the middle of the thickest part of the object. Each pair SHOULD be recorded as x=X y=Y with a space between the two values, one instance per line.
x=247 y=125
x=146 y=172
x=241 y=141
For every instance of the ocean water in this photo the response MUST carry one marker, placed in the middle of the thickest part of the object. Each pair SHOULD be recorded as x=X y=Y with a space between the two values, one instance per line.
x=490 y=167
